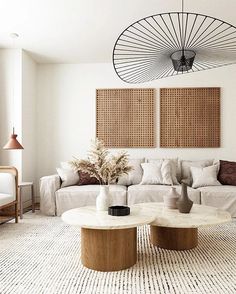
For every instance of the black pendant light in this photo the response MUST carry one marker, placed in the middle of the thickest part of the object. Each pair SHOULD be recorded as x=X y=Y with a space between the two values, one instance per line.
x=173 y=43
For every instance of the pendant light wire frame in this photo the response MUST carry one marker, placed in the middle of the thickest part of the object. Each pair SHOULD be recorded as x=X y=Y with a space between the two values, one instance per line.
x=142 y=51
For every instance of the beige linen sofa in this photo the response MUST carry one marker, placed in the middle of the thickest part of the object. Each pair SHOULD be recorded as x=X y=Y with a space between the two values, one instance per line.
x=54 y=199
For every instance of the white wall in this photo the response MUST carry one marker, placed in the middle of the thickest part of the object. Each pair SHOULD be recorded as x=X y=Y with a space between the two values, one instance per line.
x=29 y=69
x=18 y=79
x=10 y=104
x=66 y=111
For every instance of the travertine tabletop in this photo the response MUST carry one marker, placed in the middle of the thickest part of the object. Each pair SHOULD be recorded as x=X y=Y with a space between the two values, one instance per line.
x=199 y=216
x=88 y=217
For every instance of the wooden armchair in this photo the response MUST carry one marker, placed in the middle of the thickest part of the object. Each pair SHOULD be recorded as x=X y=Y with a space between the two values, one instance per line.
x=8 y=193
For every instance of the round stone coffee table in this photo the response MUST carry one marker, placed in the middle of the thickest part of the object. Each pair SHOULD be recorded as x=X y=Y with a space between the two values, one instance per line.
x=179 y=231
x=108 y=243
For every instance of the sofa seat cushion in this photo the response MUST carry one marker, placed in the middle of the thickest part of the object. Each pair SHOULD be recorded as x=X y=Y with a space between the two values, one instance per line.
x=78 y=196
x=223 y=197
x=155 y=193
x=6 y=198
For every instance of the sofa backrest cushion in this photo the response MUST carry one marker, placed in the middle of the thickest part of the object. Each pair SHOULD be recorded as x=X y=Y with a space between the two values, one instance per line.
x=134 y=177
x=227 y=173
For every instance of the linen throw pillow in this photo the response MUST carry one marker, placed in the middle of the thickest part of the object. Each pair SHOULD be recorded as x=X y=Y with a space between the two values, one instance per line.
x=158 y=172
x=151 y=173
x=175 y=167
x=85 y=179
x=187 y=164
x=68 y=176
x=205 y=176
x=227 y=173
x=134 y=177
x=167 y=172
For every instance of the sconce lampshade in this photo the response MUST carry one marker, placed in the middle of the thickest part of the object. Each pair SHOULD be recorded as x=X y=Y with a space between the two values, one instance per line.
x=13 y=143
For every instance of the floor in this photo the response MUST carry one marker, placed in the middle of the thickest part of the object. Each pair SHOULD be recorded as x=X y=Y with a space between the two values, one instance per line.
x=42 y=255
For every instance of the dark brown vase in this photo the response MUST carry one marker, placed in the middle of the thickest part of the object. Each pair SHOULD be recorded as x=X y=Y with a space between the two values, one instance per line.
x=184 y=204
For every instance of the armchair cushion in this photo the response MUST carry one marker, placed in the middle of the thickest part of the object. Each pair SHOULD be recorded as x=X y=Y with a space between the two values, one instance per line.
x=7 y=184
x=6 y=198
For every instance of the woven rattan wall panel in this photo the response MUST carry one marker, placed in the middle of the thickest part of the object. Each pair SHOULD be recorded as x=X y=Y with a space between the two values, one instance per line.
x=190 y=117
x=125 y=117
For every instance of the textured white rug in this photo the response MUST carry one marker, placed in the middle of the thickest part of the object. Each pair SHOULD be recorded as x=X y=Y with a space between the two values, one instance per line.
x=42 y=255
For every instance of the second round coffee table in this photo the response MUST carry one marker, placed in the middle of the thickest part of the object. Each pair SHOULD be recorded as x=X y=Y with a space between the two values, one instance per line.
x=108 y=243
x=179 y=231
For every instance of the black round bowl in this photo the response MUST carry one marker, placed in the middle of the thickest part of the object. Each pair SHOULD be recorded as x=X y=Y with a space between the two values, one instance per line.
x=118 y=210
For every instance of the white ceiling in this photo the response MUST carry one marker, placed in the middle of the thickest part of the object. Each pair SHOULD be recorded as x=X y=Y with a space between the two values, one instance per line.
x=74 y=31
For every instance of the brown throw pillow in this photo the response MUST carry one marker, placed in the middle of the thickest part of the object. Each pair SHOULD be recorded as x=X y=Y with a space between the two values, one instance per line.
x=227 y=173
x=85 y=179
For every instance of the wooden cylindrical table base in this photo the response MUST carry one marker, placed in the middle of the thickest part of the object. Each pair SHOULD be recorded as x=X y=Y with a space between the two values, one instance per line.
x=108 y=250
x=174 y=238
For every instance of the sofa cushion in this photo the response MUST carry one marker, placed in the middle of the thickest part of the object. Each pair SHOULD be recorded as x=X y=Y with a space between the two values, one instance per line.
x=85 y=179
x=223 y=197
x=6 y=198
x=68 y=176
x=155 y=193
x=157 y=172
x=175 y=167
x=134 y=176
x=75 y=177
x=77 y=196
x=185 y=168
x=151 y=173
x=227 y=172
x=205 y=176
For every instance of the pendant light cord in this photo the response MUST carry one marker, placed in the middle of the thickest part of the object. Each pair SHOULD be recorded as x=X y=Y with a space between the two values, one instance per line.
x=13 y=36
x=182 y=33
x=13 y=87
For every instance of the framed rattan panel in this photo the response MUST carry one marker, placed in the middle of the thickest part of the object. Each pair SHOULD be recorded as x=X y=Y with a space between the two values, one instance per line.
x=190 y=117
x=126 y=117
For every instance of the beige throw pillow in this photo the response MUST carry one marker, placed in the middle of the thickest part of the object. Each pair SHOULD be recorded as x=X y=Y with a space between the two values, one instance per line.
x=151 y=173
x=68 y=176
x=205 y=176
x=158 y=172
x=167 y=172
x=187 y=164
x=174 y=167
x=134 y=177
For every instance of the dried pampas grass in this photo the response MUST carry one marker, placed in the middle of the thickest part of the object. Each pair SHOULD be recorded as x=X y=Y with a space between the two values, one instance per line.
x=102 y=165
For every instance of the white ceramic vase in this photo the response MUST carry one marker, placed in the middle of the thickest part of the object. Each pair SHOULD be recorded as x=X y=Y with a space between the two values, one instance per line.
x=103 y=200
x=171 y=198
